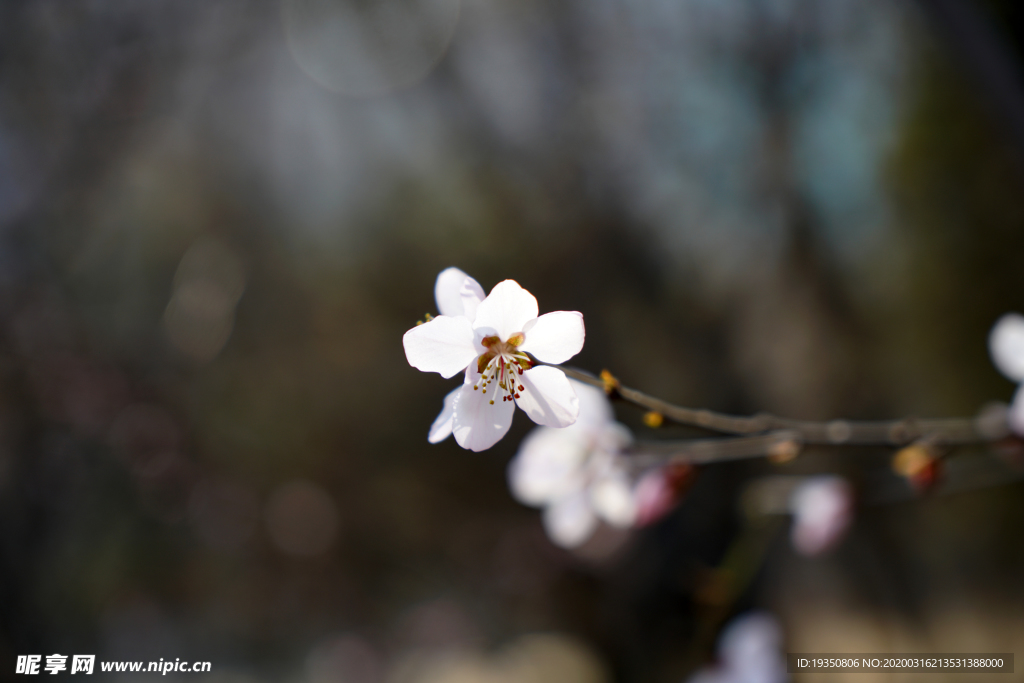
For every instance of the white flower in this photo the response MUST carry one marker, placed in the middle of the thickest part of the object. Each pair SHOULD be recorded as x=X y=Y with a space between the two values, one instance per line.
x=457 y=295
x=576 y=474
x=489 y=340
x=749 y=651
x=1006 y=344
x=822 y=510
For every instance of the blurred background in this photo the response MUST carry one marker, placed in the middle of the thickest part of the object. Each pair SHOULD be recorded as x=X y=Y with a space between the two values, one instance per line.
x=218 y=218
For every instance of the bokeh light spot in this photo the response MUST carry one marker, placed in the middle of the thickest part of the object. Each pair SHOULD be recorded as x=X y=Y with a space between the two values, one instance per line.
x=207 y=286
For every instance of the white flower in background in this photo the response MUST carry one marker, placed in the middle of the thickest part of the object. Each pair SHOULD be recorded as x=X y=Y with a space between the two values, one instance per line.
x=749 y=651
x=490 y=341
x=1006 y=344
x=822 y=510
x=577 y=473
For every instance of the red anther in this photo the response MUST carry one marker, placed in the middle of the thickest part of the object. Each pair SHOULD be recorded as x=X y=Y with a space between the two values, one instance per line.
x=522 y=388
x=517 y=395
x=520 y=371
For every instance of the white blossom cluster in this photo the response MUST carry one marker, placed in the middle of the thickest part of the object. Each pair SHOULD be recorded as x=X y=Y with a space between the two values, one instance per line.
x=573 y=465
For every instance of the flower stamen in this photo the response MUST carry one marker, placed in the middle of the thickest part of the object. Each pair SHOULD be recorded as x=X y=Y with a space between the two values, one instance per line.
x=500 y=363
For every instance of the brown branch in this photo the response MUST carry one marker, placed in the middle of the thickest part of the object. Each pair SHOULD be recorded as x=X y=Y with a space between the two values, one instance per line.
x=700 y=451
x=989 y=425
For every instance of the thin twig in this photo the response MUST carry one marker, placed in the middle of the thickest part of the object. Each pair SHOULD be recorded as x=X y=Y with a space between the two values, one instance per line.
x=701 y=451
x=989 y=425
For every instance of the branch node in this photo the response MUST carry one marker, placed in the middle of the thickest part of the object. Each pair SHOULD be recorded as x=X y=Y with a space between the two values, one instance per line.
x=784 y=450
x=838 y=431
x=611 y=383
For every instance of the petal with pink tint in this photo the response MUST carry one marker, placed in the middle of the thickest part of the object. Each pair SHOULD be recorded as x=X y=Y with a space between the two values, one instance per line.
x=554 y=337
x=569 y=522
x=822 y=512
x=478 y=424
x=612 y=499
x=547 y=397
x=443 y=345
x=506 y=310
x=442 y=427
x=448 y=291
x=547 y=466
x=471 y=294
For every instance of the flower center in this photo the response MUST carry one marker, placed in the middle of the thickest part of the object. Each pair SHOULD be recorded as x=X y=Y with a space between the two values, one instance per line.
x=502 y=363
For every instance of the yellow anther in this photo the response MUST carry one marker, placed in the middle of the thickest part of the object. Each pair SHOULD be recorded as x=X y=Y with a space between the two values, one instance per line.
x=485 y=391
x=492 y=401
x=653 y=419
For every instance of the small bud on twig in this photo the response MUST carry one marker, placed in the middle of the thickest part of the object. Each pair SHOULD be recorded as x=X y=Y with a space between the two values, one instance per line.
x=611 y=384
x=919 y=463
x=653 y=419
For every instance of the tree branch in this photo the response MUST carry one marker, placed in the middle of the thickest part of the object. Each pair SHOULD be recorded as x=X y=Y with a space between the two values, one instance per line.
x=989 y=425
x=700 y=451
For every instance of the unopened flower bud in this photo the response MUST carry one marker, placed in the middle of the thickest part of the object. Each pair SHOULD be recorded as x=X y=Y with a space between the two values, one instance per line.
x=658 y=491
x=920 y=464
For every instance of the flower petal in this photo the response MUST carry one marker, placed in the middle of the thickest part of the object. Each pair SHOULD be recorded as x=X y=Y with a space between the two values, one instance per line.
x=471 y=294
x=1006 y=344
x=554 y=337
x=447 y=291
x=548 y=466
x=478 y=424
x=506 y=310
x=822 y=511
x=442 y=427
x=653 y=496
x=611 y=437
x=750 y=648
x=612 y=499
x=548 y=397
x=443 y=345
x=595 y=408
x=569 y=522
